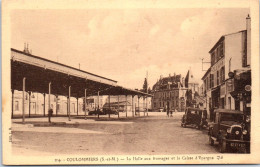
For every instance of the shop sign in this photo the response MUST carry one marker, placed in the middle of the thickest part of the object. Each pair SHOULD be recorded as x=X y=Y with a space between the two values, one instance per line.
x=230 y=85
x=248 y=88
x=217 y=66
x=222 y=90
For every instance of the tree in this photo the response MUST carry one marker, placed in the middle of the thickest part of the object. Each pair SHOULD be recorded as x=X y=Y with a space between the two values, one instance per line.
x=149 y=90
x=145 y=85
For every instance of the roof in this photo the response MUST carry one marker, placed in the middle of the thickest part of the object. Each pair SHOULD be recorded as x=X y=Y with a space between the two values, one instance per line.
x=116 y=103
x=206 y=73
x=190 y=78
x=222 y=38
x=228 y=111
x=163 y=82
x=37 y=57
x=40 y=74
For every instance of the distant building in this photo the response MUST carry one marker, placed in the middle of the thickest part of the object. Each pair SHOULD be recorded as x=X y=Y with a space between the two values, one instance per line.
x=169 y=91
x=140 y=103
x=191 y=83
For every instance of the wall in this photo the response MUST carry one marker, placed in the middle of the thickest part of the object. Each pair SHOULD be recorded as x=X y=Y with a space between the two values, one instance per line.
x=39 y=101
x=233 y=51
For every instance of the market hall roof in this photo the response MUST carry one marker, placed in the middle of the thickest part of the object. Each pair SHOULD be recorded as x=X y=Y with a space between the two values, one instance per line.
x=39 y=72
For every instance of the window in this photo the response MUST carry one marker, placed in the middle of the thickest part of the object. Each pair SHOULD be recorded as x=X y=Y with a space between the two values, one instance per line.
x=211 y=80
x=213 y=58
x=217 y=54
x=222 y=75
x=222 y=103
x=217 y=77
x=221 y=50
x=16 y=105
x=154 y=105
x=205 y=84
x=229 y=103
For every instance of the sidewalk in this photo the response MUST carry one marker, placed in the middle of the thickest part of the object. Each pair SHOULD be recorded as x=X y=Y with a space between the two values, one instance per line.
x=77 y=120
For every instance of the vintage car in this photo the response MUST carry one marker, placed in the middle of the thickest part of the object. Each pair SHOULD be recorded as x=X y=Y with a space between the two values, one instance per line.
x=96 y=112
x=194 y=116
x=231 y=129
x=110 y=111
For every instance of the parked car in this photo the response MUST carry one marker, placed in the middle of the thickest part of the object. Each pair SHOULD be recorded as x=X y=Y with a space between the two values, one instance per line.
x=110 y=111
x=231 y=129
x=96 y=112
x=194 y=116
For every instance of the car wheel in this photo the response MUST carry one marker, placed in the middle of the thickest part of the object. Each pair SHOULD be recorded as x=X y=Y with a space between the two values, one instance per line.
x=222 y=146
x=184 y=125
x=211 y=141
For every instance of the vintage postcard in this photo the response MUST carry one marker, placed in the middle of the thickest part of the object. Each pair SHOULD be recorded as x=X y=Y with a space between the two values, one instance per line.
x=130 y=82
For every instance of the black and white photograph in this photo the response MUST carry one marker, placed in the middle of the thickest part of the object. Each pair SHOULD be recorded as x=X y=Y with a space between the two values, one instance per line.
x=140 y=82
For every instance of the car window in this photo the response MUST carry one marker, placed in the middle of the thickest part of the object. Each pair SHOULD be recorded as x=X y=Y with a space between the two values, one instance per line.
x=226 y=117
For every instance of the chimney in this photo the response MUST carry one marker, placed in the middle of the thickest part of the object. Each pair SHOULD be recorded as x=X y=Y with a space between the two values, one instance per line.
x=161 y=77
x=24 y=47
x=248 y=34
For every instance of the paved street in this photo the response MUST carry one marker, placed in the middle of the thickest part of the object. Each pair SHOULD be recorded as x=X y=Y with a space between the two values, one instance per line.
x=151 y=135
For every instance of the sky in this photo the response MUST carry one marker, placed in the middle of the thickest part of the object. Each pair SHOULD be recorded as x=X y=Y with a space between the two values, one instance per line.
x=125 y=44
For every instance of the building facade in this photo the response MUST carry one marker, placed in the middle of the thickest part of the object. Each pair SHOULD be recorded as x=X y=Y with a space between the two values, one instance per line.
x=169 y=91
x=36 y=104
x=230 y=54
x=130 y=102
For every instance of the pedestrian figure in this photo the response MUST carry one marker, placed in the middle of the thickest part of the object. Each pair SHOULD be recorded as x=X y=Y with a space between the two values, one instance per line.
x=50 y=112
x=171 y=112
x=167 y=110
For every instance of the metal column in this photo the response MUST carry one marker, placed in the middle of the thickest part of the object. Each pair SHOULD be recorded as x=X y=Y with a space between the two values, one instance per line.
x=12 y=103
x=77 y=106
x=44 y=104
x=146 y=106
x=69 y=104
x=29 y=104
x=56 y=105
x=23 y=99
x=143 y=104
x=118 y=105
x=49 y=102
x=98 y=105
x=133 y=105
x=138 y=106
x=49 y=97
x=126 y=105
x=85 y=104
x=109 y=106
